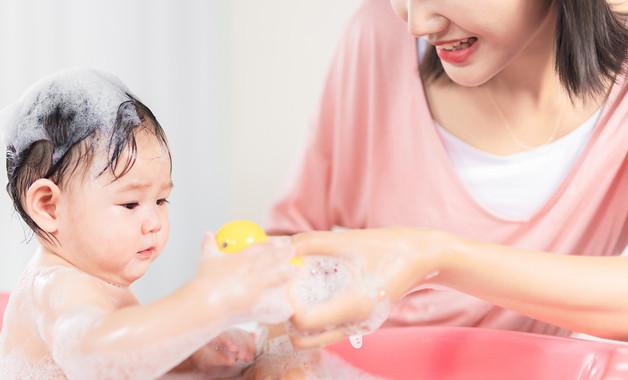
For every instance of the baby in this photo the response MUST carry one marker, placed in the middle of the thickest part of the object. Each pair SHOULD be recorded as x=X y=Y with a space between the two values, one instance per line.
x=89 y=172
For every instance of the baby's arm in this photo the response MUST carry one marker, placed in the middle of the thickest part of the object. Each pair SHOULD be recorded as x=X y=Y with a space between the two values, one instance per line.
x=95 y=330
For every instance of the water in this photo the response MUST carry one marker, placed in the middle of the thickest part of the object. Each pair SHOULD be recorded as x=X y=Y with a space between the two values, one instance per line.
x=356 y=341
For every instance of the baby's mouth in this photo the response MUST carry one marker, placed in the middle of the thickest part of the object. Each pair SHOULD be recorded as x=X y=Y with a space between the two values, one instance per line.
x=146 y=253
x=462 y=44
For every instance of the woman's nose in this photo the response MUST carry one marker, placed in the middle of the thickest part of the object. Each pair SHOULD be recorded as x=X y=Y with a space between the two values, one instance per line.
x=422 y=16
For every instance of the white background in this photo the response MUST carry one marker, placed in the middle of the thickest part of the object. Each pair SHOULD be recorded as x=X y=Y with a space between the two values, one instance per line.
x=233 y=82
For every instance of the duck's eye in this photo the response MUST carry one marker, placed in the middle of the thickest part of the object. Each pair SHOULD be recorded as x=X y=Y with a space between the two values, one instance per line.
x=224 y=244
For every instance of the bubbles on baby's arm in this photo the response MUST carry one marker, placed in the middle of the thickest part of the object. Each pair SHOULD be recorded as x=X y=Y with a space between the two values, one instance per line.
x=16 y=366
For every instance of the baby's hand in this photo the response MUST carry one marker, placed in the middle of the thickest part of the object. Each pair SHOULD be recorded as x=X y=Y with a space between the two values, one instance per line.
x=236 y=281
x=279 y=361
x=224 y=351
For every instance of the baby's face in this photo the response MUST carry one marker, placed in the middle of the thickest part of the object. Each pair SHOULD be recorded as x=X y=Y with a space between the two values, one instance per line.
x=115 y=229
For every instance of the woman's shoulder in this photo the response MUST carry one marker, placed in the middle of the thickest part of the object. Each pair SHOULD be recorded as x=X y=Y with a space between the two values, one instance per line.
x=375 y=20
x=376 y=12
x=374 y=41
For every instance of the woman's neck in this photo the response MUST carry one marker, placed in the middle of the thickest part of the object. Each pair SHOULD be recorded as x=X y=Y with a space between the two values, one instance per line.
x=531 y=74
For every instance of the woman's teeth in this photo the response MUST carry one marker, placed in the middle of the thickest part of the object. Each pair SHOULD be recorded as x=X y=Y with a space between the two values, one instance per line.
x=462 y=44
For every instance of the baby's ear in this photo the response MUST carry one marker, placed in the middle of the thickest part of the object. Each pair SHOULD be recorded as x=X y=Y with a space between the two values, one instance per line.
x=42 y=199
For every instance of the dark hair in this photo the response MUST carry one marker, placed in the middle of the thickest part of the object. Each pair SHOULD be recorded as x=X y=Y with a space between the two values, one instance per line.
x=37 y=160
x=591 y=47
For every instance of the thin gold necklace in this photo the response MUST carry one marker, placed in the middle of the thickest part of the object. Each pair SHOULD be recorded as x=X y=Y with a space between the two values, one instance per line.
x=512 y=133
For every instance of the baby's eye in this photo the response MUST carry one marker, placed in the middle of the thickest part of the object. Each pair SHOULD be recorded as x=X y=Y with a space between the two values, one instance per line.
x=162 y=202
x=131 y=205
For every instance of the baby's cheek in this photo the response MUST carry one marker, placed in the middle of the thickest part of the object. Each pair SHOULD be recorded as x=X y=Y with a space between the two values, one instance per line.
x=164 y=234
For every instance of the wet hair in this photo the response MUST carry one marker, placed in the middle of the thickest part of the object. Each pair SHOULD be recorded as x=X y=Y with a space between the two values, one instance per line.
x=37 y=160
x=591 y=47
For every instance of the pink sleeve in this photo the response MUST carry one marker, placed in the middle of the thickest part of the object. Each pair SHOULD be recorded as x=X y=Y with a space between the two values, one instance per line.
x=304 y=202
x=374 y=159
x=332 y=184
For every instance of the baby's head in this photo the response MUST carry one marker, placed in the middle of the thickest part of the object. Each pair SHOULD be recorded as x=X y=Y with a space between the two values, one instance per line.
x=89 y=171
x=70 y=133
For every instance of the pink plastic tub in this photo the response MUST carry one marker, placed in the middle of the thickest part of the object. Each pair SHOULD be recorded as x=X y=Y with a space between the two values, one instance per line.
x=472 y=353
x=4 y=298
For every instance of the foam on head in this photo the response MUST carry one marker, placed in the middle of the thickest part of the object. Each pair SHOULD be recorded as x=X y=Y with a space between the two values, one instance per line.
x=84 y=100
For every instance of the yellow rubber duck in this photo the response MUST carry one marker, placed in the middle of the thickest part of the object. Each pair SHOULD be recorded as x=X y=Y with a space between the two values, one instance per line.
x=239 y=234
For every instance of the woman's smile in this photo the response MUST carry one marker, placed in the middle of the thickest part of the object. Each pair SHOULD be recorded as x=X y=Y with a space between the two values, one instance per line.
x=456 y=52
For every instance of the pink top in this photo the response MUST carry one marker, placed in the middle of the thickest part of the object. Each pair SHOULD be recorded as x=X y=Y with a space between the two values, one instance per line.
x=373 y=158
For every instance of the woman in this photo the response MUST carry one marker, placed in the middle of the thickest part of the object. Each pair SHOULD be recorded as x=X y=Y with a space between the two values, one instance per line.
x=499 y=122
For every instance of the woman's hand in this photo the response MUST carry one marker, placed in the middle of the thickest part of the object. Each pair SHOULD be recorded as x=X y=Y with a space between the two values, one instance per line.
x=400 y=258
x=579 y=293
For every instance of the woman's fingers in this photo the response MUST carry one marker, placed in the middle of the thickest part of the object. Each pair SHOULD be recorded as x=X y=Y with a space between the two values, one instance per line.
x=340 y=310
x=323 y=243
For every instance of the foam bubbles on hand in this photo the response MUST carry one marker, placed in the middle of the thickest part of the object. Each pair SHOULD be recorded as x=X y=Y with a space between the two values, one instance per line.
x=324 y=278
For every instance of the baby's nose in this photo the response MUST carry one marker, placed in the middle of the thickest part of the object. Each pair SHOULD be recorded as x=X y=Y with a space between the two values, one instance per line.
x=152 y=223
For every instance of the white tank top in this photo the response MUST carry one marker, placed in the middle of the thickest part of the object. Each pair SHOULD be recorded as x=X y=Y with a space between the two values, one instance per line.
x=517 y=185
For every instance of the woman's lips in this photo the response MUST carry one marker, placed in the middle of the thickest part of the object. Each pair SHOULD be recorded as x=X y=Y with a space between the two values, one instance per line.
x=457 y=52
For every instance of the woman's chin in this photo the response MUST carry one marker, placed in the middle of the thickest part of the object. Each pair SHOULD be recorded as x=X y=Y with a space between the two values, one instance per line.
x=465 y=77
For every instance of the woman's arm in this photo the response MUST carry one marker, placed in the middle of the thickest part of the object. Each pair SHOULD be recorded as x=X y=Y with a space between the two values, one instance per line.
x=581 y=293
x=587 y=294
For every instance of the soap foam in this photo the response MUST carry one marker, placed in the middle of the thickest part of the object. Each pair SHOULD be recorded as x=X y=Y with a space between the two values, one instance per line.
x=18 y=366
x=323 y=278
x=326 y=277
x=85 y=99
x=280 y=357
x=272 y=307
x=22 y=355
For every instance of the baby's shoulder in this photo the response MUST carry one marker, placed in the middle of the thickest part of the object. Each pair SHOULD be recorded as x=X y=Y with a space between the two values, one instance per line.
x=59 y=278
x=61 y=287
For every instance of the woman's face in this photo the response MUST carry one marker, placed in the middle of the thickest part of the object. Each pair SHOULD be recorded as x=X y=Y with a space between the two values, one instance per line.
x=476 y=39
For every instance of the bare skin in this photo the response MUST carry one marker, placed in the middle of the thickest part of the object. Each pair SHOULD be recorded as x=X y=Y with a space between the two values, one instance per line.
x=580 y=293
x=515 y=67
x=74 y=310
x=514 y=64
